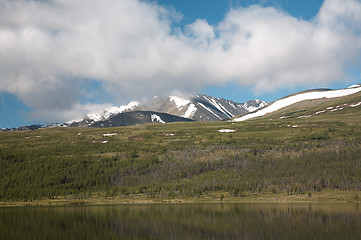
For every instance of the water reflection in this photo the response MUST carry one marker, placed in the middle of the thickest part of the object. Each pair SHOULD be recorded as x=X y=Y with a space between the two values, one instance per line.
x=186 y=221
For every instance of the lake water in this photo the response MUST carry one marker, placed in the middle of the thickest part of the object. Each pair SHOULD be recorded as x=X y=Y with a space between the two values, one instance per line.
x=183 y=221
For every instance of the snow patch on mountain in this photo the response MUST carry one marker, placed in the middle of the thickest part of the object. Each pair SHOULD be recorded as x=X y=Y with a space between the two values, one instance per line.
x=190 y=111
x=209 y=110
x=319 y=112
x=179 y=101
x=109 y=134
x=298 y=98
x=156 y=118
x=232 y=105
x=356 y=104
x=226 y=131
x=108 y=112
x=252 y=108
x=218 y=106
x=355 y=86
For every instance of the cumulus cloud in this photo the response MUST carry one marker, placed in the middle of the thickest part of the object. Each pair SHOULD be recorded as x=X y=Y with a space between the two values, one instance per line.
x=50 y=49
x=76 y=113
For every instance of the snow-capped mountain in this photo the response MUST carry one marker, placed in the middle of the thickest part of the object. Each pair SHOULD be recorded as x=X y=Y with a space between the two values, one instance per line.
x=101 y=115
x=107 y=113
x=207 y=108
x=179 y=108
x=200 y=107
x=299 y=97
x=170 y=109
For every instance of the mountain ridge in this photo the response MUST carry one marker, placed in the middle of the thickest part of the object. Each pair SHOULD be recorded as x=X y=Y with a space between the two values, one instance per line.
x=295 y=98
x=199 y=107
x=138 y=117
x=202 y=108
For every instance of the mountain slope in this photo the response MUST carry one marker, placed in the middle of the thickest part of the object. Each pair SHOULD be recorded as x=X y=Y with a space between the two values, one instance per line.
x=200 y=107
x=138 y=117
x=307 y=96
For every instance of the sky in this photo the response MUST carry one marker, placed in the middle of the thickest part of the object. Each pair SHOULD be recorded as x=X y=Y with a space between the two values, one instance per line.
x=62 y=59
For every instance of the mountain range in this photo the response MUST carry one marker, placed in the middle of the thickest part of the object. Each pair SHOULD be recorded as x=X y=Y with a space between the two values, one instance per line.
x=198 y=108
x=161 y=110
x=207 y=108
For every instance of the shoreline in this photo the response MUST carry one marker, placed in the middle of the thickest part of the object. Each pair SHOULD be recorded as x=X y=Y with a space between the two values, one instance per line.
x=324 y=197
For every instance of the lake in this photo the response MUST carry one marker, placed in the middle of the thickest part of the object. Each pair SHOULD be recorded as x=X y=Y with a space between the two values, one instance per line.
x=183 y=221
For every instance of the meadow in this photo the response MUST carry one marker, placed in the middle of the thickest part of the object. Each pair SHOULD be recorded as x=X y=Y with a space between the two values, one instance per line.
x=292 y=158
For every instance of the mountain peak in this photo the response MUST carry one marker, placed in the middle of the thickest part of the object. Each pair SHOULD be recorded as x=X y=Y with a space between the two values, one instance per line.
x=108 y=112
x=179 y=101
x=199 y=107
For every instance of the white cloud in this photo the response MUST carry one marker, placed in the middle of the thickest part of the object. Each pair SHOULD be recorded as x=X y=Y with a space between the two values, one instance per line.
x=76 y=113
x=48 y=49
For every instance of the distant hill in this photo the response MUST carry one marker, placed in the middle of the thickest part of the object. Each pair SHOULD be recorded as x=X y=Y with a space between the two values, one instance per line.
x=138 y=117
x=308 y=103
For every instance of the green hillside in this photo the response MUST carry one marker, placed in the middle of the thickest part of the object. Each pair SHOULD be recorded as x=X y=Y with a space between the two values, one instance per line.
x=292 y=155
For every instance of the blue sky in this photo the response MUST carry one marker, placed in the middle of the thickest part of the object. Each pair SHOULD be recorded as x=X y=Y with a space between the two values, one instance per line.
x=215 y=10
x=66 y=60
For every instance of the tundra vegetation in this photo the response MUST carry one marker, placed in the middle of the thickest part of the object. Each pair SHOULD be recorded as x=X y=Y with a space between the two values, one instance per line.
x=293 y=156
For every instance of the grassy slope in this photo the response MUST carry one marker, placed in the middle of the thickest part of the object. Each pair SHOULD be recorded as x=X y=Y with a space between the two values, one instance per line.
x=264 y=160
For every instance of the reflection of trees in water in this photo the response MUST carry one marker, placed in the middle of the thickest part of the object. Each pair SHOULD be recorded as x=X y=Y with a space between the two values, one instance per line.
x=187 y=221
